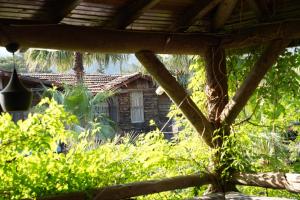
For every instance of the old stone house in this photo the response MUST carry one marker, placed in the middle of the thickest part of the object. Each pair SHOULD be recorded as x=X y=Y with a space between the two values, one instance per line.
x=132 y=106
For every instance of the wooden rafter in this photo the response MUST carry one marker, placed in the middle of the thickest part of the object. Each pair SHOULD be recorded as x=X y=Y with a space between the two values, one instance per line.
x=262 y=34
x=223 y=13
x=129 y=12
x=199 y=10
x=261 y=9
x=66 y=37
x=177 y=93
x=263 y=64
x=59 y=9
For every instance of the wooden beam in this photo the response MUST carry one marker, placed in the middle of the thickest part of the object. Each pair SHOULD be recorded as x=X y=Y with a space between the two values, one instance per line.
x=289 y=181
x=130 y=12
x=138 y=188
x=258 y=71
x=177 y=93
x=262 y=34
x=199 y=10
x=286 y=181
x=223 y=13
x=94 y=39
x=21 y=22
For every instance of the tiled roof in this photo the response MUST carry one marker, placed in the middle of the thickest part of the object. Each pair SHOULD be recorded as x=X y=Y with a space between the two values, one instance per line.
x=94 y=82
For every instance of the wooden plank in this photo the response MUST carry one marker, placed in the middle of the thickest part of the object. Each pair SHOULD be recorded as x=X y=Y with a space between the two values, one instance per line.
x=223 y=13
x=199 y=10
x=93 y=39
x=258 y=71
x=177 y=93
x=129 y=12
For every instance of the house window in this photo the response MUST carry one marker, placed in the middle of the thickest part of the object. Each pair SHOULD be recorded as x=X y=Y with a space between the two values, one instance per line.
x=137 y=107
x=114 y=108
x=101 y=108
x=19 y=115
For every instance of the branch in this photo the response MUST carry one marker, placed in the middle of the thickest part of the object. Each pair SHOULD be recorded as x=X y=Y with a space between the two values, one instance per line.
x=251 y=115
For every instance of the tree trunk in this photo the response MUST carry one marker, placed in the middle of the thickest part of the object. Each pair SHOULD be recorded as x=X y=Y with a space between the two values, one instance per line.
x=217 y=95
x=78 y=66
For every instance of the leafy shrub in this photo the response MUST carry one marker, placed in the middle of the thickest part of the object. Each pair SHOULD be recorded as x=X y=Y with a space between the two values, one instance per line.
x=30 y=166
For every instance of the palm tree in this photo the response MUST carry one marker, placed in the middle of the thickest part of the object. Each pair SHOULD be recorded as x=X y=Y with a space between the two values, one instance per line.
x=64 y=60
x=82 y=103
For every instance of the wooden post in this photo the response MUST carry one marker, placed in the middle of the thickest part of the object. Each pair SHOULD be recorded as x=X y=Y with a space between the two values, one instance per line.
x=217 y=98
x=177 y=93
x=216 y=83
x=263 y=64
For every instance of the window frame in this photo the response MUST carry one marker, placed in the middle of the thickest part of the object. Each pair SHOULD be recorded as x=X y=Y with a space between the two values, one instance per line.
x=140 y=107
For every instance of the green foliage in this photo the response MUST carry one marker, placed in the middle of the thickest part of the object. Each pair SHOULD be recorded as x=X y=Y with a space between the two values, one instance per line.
x=258 y=139
x=7 y=63
x=79 y=101
x=275 y=104
x=29 y=166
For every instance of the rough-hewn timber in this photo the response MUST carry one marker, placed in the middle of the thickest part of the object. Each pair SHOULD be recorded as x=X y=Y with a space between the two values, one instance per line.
x=216 y=83
x=263 y=64
x=177 y=93
x=234 y=196
x=267 y=180
x=223 y=13
x=289 y=182
x=261 y=9
x=139 y=188
x=196 y=12
x=129 y=12
x=67 y=37
x=262 y=34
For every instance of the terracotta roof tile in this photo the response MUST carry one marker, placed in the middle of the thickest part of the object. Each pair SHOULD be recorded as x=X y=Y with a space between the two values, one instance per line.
x=94 y=82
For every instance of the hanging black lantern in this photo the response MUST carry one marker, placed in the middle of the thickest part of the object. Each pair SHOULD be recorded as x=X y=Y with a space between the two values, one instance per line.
x=15 y=96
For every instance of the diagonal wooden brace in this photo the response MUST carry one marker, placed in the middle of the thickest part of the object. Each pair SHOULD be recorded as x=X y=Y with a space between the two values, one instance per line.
x=257 y=73
x=177 y=93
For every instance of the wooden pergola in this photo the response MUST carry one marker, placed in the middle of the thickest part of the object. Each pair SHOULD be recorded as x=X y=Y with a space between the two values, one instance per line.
x=147 y=27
